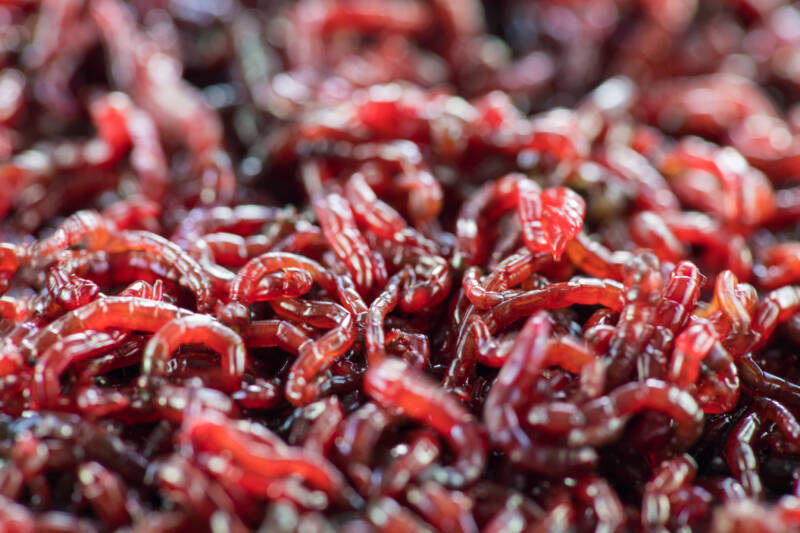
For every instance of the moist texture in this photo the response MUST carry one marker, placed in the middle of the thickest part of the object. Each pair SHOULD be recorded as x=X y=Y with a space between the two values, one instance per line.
x=399 y=266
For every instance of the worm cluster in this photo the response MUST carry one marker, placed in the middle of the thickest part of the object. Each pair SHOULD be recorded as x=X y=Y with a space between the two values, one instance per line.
x=399 y=266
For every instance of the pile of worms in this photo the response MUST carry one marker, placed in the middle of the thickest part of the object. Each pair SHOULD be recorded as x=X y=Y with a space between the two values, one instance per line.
x=383 y=266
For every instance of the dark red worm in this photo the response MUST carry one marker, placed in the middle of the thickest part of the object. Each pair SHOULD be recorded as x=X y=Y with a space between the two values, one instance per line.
x=399 y=265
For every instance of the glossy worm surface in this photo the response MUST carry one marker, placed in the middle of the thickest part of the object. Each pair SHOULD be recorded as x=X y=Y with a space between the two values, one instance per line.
x=378 y=266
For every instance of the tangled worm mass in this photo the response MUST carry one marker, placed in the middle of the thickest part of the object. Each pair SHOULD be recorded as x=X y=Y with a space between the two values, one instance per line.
x=399 y=266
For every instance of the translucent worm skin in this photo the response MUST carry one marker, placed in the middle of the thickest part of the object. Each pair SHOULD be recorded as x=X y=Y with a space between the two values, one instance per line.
x=306 y=236
x=781 y=417
x=740 y=456
x=316 y=357
x=58 y=357
x=244 y=287
x=122 y=126
x=428 y=278
x=215 y=434
x=199 y=330
x=263 y=333
x=196 y=278
x=88 y=226
x=290 y=283
x=697 y=344
x=669 y=478
x=68 y=289
x=318 y=313
x=702 y=230
x=580 y=291
x=67 y=286
x=234 y=250
x=642 y=283
x=368 y=210
x=415 y=181
x=678 y=299
x=510 y=272
x=507 y=396
x=577 y=357
x=125 y=313
x=395 y=386
x=109 y=270
x=549 y=218
x=399 y=265
x=258 y=394
x=746 y=195
x=565 y=352
x=427 y=283
x=778 y=306
x=339 y=227
x=485 y=206
x=415 y=348
x=595 y=259
x=691 y=348
x=475 y=337
x=735 y=303
x=756 y=379
x=615 y=408
x=349 y=296
x=383 y=305
x=649 y=230
x=478 y=295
